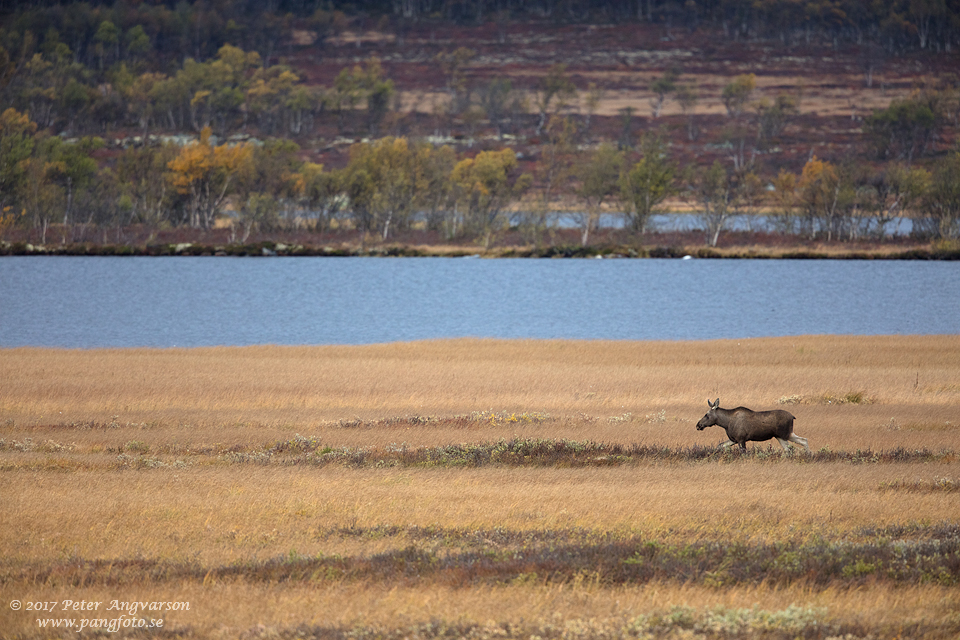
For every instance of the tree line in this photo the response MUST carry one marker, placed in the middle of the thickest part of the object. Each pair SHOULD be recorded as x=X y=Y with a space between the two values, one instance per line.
x=60 y=193
x=179 y=29
x=99 y=66
x=88 y=68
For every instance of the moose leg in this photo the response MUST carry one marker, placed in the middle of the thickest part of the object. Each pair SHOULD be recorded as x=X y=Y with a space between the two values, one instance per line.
x=800 y=441
x=783 y=443
x=727 y=444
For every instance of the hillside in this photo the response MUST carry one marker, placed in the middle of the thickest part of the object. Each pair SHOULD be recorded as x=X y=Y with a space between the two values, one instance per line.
x=830 y=136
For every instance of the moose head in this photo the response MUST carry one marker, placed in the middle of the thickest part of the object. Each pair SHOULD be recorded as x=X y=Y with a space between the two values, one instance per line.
x=710 y=417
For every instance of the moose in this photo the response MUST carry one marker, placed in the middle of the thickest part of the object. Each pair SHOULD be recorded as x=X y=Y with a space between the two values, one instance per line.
x=742 y=425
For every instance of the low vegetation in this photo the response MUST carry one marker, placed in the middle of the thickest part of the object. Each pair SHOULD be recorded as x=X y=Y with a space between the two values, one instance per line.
x=283 y=503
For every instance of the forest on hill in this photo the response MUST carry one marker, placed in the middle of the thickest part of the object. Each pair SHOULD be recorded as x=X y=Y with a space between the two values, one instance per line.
x=476 y=122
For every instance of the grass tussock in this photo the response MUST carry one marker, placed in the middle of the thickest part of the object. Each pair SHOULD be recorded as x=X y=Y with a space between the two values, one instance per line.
x=937 y=484
x=850 y=397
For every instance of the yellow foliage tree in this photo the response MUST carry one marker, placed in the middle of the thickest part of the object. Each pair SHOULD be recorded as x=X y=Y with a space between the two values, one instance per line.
x=736 y=94
x=385 y=182
x=485 y=185
x=208 y=174
x=824 y=196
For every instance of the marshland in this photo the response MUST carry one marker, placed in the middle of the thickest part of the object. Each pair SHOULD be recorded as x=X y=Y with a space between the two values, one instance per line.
x=486 y=488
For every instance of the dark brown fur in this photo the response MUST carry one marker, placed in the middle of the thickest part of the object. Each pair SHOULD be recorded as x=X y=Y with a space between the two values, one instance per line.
x=743 y=425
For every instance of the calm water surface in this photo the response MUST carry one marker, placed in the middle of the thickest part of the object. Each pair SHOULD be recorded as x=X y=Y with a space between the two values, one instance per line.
x=162 y=302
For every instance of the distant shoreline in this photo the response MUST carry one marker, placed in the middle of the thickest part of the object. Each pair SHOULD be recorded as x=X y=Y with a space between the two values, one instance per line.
x=279 y=249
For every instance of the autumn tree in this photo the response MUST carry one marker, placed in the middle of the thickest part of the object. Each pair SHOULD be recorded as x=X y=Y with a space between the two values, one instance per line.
x=78 y=171
x=379 y=91
x=383 y=181
x=773 y=116
x=107 y=41
x=784 y=215
x=206 y=174
x=301 y=104
x=346 y=94
x=137 y=45
x=142 y=99
x=214 y=90
x=268 y=189
x=322 y=195
x=43 y=195
x=926 y=15
x=894 y=191
x=147 y=199
x=906 y=128
x=360 y=84
x=941 y=202
x=7 y=67
x=687 y=97
x=8 y=219
x=38 y=87
x=825 y=197
x=100 y=207
x=436 y=192
x=485 y=185
x=454 y=64
x=52 y=177
x=599 y=178
x=647 y=183
x=16 y=146
x=713 y=194
x=661 y=88
x=595 y=94
x=554 y=170
x=555 y=91
x=501 y=104
x=267 y=94
x=736 y=93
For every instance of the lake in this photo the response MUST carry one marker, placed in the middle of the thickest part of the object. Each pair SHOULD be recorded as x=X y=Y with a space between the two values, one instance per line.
x=88 y=302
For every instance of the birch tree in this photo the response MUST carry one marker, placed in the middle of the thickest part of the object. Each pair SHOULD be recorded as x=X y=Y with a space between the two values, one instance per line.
x=647 y=183
x=206 y=174
x=485 y=186
x=599 y=183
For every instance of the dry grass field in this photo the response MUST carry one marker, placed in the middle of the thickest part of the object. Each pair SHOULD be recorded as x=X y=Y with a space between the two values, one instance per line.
x=474 y=488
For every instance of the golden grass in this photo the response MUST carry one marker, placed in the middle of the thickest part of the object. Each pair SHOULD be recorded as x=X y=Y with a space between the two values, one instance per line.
x=269 y=391
x=228 y=515
x=218 y=515
x=224 y=516
x=78 y=524
x=262 y=610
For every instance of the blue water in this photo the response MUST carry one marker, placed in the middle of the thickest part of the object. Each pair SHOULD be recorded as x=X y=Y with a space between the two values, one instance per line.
x=90 y=302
